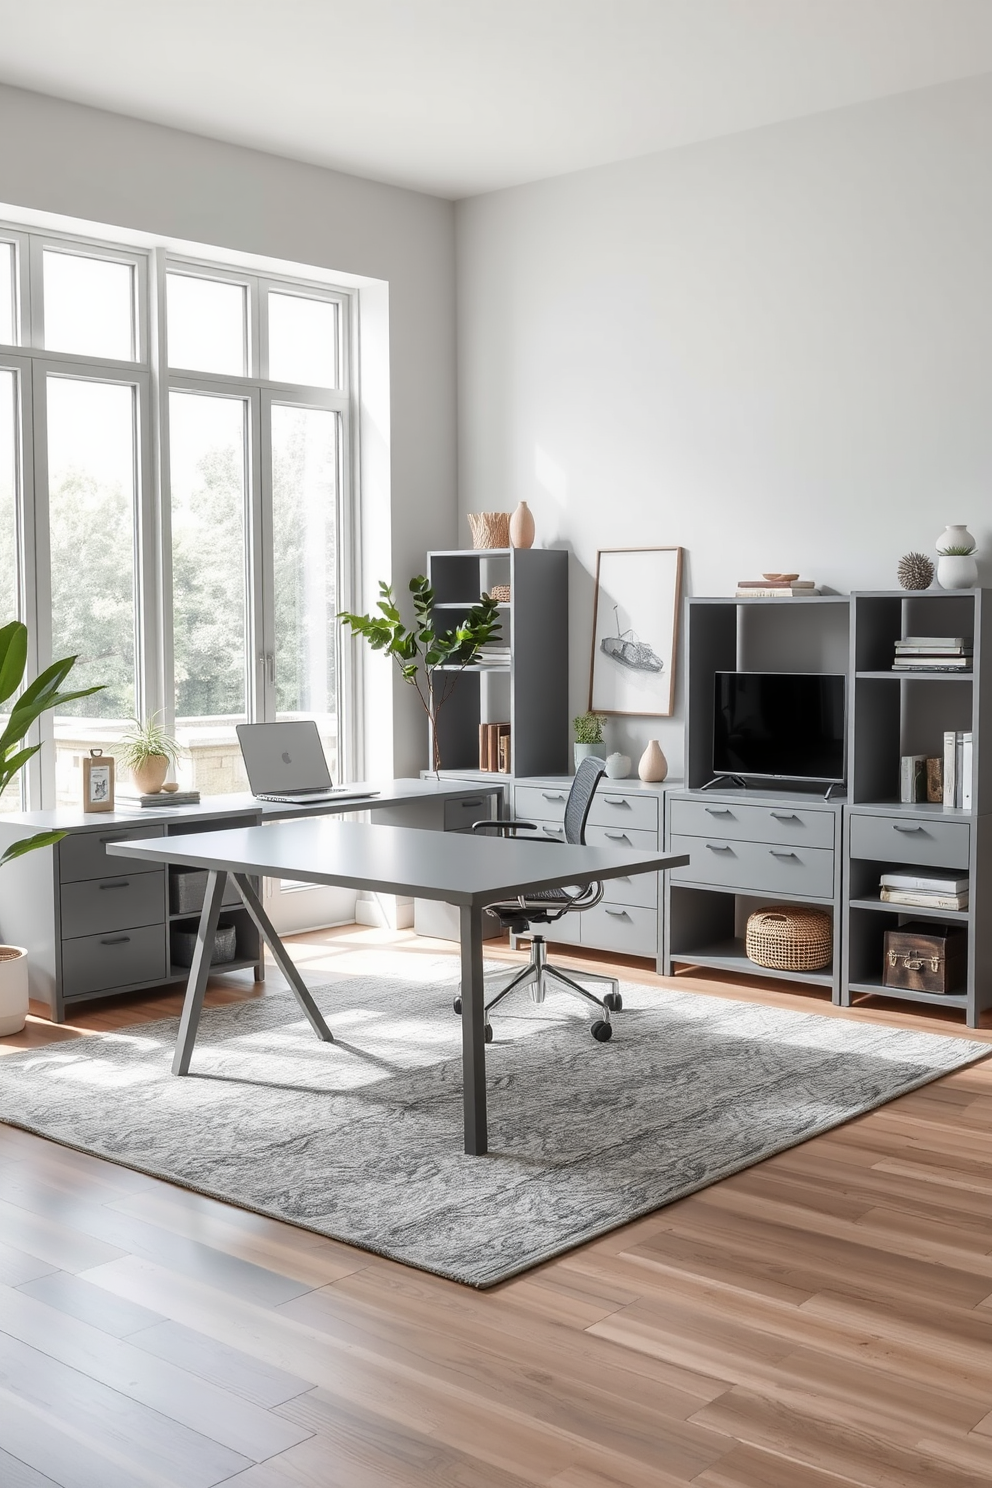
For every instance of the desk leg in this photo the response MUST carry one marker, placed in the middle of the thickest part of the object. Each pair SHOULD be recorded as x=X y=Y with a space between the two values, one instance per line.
x=196 y=984
x=473 y=1033
x=268 y=933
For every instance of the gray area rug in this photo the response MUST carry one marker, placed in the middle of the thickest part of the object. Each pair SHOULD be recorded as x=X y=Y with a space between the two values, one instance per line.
x=361 y=1140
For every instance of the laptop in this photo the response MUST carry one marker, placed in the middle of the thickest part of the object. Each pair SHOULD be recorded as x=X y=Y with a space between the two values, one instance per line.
x=285 y=763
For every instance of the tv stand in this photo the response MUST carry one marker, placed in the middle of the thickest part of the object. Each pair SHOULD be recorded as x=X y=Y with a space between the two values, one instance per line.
x=719 y=779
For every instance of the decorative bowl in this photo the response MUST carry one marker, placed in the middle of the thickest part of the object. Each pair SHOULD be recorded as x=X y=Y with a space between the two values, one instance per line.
x=779 y=578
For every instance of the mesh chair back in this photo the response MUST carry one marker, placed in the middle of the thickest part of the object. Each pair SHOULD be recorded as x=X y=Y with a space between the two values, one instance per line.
x=590 y=772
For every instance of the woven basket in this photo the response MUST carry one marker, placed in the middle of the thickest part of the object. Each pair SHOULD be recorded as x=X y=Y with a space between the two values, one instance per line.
x=490 y=529
x=500 y=593
x=787 y=938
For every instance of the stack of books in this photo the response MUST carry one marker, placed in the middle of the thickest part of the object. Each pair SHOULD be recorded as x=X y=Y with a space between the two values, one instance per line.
x=784 y=588
x=958 y=770
x=929 y=890
x=494 y=747
x=933 y=654
x=494 y=654
x=131 y=801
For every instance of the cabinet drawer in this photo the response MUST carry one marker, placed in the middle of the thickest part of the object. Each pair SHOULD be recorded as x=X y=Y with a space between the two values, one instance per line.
x=459 y=815
x=112 y=904
x=621 y=927
x=98 y=963
x=756 y=867
x=932 y=844
x=621 y=836
x=83 y=854
x=611 y=808
x=551 y=829
x=640 y=888
x=796 y=826
x=540 y=803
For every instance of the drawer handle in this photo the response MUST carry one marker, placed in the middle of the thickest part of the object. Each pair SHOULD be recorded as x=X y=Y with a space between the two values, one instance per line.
x=554 y=831
x=616 y=801
x=778 y=852
x=719 y=810
x=785 y=816
x=719 y=847
x=468 y=805
x=618 y=914
x=897 y=828
x=618 y=836
x=118 y=883
x=552 y=795
x=114 y=939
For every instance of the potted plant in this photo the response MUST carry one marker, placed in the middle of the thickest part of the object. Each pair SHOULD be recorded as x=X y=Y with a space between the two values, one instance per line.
x=588 y=731
x=429 y=660
x=43 y=693
x=147 y=751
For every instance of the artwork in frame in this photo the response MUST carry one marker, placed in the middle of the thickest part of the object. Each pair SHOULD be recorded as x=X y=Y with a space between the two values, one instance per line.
x=635 y=631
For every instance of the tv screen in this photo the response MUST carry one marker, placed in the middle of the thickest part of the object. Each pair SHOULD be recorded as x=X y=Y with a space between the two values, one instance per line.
x=780 y=725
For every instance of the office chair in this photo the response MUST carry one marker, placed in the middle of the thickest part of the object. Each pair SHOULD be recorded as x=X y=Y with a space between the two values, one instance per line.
x=546 y=906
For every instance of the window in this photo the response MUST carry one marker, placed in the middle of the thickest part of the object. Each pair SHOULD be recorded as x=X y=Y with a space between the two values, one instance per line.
x=203 y=588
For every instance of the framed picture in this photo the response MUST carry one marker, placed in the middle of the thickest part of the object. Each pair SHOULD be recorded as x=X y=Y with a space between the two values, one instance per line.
x=635 y=631
x=98 y=781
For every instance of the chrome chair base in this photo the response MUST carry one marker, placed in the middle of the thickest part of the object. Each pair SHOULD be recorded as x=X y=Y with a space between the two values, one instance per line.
x=539 y=974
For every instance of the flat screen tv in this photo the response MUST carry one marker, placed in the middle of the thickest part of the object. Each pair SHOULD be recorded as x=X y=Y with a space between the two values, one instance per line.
x=780 y=725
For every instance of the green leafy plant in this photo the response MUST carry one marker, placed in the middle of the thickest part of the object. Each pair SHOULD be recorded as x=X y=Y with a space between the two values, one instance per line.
x=963 y=551
x=145 y=741
x=588 y=728
x=430 y=660
x=40 y=695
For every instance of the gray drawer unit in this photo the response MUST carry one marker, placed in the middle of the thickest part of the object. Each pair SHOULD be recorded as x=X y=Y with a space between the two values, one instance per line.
x=626 y=928
x=94 y=964
x=931 y=843
x=84 y=854
x=641 y=889
x=621 y=836
x=613 y=808
x=539 y=803
x=797 y=826
x=755 y=867
x=105 y=904
x=460 y=815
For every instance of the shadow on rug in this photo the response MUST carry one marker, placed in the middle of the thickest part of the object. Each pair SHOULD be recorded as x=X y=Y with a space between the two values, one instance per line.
x=361 y=1140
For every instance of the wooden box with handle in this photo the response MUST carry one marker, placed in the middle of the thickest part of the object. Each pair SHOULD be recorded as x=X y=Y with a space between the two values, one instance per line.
x=926 y=957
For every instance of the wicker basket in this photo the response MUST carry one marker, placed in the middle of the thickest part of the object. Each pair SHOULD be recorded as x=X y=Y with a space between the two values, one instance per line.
x=500 y=593
x=787 y=938
x=490 y=529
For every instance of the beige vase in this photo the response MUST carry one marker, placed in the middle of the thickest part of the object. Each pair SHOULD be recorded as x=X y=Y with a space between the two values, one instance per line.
x=149 y=776
x=652 y=766
x=522 y=527
x=13 y=989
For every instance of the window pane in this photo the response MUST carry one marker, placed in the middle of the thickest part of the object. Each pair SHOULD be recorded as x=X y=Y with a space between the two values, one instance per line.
x=7 y=264
x=10 y=800
x=304 y=507
x=207 y=324
x=89 y=306
x=92 y=500
x=302 y=340
x=209 y=592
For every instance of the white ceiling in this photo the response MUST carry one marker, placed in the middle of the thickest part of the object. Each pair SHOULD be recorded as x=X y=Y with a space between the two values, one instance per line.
x=457 y=97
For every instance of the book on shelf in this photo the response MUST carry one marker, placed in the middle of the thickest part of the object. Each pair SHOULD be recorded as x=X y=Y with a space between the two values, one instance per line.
x=934 y=881
x=775 y=584
x=941 y=643
x=494 y=748
x=132 y=801
x=912 y=778
x=773 y=591
x=920 y=900
x=931 y=666
x=935 y=780
x=958 y=769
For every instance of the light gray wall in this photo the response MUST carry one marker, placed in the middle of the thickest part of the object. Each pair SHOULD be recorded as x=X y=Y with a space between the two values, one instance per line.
x=773 y=349
x=61 y=157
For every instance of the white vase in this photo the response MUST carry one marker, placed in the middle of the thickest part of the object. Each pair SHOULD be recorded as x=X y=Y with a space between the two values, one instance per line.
x=13 y=989
x=954 y=537
x=652 y=766
x=957 y=571
x=618 y=766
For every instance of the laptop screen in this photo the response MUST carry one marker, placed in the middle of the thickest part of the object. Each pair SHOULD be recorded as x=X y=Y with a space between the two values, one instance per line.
x=284 y=757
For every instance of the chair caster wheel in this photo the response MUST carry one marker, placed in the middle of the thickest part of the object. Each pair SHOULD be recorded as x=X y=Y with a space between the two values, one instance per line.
x=602 y=1031
x=614 y=1002
x=489 y=1033
x=457 y=1005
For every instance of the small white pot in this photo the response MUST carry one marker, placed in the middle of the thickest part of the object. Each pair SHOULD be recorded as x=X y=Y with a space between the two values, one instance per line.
x=957 y=571
x=13 y=989
x=618 y=766
x=583 y=751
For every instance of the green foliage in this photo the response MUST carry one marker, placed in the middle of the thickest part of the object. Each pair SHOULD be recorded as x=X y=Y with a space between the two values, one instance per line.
x=144 y=741
x=429 y=659
x=588 y=728
x=40 y=695
x=963 y=551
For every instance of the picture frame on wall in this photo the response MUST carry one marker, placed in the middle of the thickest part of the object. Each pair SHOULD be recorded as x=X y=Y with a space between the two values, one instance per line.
x=635 y=631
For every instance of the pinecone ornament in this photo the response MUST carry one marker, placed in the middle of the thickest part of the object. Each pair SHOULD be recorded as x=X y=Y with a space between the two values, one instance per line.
x=915 y=571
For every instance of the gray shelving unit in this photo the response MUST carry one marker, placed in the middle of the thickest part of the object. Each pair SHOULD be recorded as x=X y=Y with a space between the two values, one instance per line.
x=892 y=714
x=531 y=692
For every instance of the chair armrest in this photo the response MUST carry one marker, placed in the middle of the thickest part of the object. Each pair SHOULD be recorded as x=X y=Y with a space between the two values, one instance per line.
x=505 y=828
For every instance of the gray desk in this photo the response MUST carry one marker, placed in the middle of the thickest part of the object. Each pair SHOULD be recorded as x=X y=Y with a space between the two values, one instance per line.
x=470 y=872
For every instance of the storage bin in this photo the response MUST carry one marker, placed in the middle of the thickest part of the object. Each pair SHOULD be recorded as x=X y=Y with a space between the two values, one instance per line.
x=188 y=888
x=924 y=957
x=225 y=945
x=788 y=937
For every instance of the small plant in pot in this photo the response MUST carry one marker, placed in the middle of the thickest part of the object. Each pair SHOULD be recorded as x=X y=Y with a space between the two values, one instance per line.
x=40 y=695
x=147 y=751
x=588 y=731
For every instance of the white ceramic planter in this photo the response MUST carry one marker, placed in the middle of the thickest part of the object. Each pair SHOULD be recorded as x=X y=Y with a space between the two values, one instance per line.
x=583 y=751
x=957 y=571
x=13 y=989
x=617 y=766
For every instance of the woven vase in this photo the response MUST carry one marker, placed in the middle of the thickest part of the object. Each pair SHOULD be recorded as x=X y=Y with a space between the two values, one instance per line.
x=490 y=529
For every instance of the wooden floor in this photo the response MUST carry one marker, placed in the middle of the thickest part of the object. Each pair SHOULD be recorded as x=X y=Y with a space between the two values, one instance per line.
x=823 y=1319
